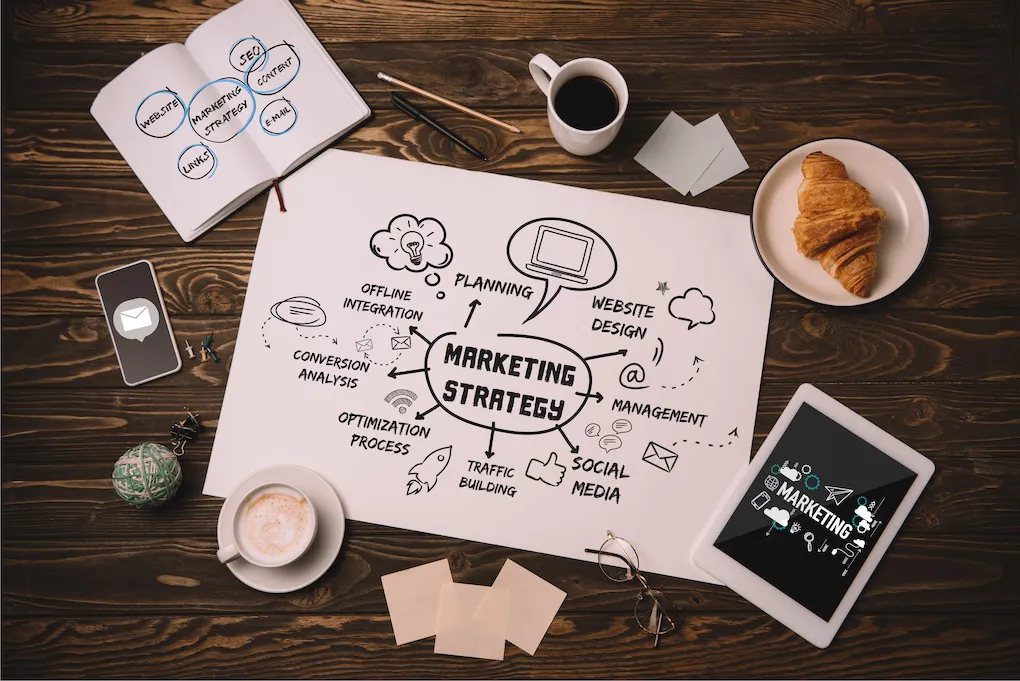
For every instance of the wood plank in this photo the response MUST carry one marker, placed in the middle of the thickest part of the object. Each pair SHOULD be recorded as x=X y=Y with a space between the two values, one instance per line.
x=159 y=576
x=948 y=136
x=964 y=202
x=60 y=448
x=876 y=344
x=373 y=20
x=915 y=645
x=718 y=72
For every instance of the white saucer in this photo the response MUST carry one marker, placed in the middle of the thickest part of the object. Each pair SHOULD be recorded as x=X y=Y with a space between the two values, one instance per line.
x=322 y=552
x=905 y=234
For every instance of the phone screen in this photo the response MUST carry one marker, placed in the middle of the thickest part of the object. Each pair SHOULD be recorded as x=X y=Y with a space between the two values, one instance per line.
x=138 y=324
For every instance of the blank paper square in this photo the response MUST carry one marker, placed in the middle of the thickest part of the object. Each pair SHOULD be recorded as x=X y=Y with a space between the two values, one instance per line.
x=458 y=633
x=412 y=597
x=534 y=603
x=678 y=153
x=728 y=163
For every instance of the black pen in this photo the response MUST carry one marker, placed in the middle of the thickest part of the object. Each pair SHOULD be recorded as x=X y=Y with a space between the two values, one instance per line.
x=419 y=115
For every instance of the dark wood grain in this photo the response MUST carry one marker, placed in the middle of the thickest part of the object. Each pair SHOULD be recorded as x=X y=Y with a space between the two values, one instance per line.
x=587 y=646
x=94 y=588
x=353 y=21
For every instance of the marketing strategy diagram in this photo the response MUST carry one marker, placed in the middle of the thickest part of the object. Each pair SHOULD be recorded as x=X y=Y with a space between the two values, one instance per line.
x=502 y=360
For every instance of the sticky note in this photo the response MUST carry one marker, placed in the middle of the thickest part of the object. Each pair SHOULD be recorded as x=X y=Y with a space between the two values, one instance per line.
x=457 y=631
x=412 y=597
x=728 y=163
x=678 y=153
x=534 y=603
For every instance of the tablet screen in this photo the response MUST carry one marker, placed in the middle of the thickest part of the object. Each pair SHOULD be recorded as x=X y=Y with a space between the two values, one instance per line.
x=814 y=512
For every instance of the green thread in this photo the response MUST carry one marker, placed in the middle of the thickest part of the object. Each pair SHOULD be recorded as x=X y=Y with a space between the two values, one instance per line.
x=148 y=475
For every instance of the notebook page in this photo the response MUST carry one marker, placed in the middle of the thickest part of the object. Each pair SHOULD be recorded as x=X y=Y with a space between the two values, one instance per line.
x=303 y=101
x=144 y=111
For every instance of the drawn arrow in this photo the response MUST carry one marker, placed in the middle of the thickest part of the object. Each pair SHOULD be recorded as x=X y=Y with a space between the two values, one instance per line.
x=394 y=373
x=420 y=416
x=473 y=304
x=607 y=354
x=573 y=447
x=597 y=396
x=696 y=360
x=414 y=330
x=492 y=432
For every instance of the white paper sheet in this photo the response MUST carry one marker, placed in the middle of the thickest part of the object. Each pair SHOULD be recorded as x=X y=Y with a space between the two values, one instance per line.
x=728 y=163
x=412 y=597
x=328 y=372
x=678 y=153
x=458 y=633
x=534 y=603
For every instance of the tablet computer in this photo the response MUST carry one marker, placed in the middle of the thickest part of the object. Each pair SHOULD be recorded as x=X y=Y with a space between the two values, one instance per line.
x=801 y=531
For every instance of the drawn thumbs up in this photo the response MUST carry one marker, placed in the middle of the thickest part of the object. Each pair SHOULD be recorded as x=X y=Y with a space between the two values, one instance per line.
x=550 y=472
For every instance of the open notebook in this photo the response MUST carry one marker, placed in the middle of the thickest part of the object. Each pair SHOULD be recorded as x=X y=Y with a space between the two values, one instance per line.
x=207 y=125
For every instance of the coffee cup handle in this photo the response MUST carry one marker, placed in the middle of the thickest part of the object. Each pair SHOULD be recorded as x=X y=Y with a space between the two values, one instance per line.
x=228 y=554
x=543 y=70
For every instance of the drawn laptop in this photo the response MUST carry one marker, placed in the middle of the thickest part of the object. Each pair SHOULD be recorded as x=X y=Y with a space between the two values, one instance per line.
x=562 y=254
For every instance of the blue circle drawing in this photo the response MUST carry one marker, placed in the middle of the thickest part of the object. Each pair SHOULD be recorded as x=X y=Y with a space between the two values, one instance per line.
x=234 y=81
x=277 y=86
x=261 y=57
x=262 y=118
x=775 y=469
x=776 y=527
x=208 y=172
x=862 y=500
x=818 y=482
x=184 y=112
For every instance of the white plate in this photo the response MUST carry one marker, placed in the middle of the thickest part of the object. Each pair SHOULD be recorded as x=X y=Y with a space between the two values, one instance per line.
x=905 y=234
x=320 y=555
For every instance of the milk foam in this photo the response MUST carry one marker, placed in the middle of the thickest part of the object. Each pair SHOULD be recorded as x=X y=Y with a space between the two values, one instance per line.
x=275 y=524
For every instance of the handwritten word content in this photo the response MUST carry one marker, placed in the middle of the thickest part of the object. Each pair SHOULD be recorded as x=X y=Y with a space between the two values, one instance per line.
x=345 y=366
x=248 y=53
x=509 y=383
x=598 y=490
x=280 y=67
x=491 y=478
x=221 y=110
x=377 y=430
x=278 y=116
x=160 y=114
x=622 y=308
x=196 y=162
x=383 y=309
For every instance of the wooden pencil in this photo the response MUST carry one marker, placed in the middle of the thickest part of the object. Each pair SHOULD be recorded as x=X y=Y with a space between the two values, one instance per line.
x=449 y=103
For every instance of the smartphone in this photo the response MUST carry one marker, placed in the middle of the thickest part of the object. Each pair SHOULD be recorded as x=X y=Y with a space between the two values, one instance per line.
x=139 y=325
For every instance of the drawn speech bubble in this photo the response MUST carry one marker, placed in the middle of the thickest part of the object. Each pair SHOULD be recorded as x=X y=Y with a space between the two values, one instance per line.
x=621 y=426
x=136 y=319
x=221 y=110
x=563 y=254
x=248 y=53
x=610 y=442
x=693 y=307
x=160 y=114
x=299 y=311
x=275 y=71
x=592 y=430
x=471 y=376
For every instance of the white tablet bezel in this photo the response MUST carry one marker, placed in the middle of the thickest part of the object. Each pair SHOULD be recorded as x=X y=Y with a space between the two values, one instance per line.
x=760 y=592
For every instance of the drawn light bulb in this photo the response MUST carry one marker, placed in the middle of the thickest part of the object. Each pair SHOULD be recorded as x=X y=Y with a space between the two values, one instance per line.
x=411 y=243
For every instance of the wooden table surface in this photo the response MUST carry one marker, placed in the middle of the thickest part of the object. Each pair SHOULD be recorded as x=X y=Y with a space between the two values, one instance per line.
x=93 y=587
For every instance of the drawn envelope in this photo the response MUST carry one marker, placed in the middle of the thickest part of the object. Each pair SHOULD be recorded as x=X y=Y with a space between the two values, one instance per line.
x=400 y=342
x=660 y=457
x=135 y=318
x=363 y=345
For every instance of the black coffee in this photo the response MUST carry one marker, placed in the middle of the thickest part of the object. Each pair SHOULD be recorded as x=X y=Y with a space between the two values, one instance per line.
x=586 y=103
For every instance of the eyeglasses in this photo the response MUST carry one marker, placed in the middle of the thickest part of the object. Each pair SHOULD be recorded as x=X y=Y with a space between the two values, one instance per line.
x=619 y=561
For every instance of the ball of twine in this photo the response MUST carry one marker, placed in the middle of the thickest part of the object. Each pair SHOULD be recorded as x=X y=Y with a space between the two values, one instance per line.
x=147 y=475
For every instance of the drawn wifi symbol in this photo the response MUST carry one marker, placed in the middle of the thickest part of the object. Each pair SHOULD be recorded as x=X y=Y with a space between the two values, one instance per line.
x=401 y=399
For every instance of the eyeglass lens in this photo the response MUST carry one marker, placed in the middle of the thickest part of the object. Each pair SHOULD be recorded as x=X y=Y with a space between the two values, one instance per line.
x=654 y=612
x=614 y=557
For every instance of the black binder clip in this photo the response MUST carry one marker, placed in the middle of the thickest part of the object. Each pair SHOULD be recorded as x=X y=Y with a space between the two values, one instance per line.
x=184 y=431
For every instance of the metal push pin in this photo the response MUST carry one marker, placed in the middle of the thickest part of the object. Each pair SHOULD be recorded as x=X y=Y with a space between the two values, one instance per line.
x=207 y=345
x=190 y=350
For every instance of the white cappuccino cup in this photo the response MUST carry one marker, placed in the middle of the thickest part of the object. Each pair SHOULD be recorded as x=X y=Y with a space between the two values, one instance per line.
x=579 y=139
x=272 y=526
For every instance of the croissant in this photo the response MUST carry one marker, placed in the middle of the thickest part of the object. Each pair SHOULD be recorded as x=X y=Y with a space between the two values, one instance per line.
x=838 y=224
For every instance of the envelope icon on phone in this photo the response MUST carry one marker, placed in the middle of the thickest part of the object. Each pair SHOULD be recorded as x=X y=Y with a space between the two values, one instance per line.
x=660 y=457
x=400 y=342
x=136 y=318
x=363 y=345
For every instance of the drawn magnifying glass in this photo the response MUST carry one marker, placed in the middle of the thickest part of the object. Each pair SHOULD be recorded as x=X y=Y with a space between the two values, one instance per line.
x=808 y=538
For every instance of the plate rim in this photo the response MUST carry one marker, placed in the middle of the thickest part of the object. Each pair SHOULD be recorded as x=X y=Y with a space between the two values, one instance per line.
x=863 y=301
x=246 y=580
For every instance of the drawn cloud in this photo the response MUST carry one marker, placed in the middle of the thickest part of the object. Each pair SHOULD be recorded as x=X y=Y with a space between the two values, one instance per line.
x=693 y=307
x=789 y=473
x=412 y=244
x=780 y=516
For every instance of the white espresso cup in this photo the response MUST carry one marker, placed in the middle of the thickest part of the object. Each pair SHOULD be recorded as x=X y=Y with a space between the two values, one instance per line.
x=550 y=77
x=273 y=525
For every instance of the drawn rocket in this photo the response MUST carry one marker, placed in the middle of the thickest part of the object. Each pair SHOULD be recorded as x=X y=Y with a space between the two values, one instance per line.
x=426 y=472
